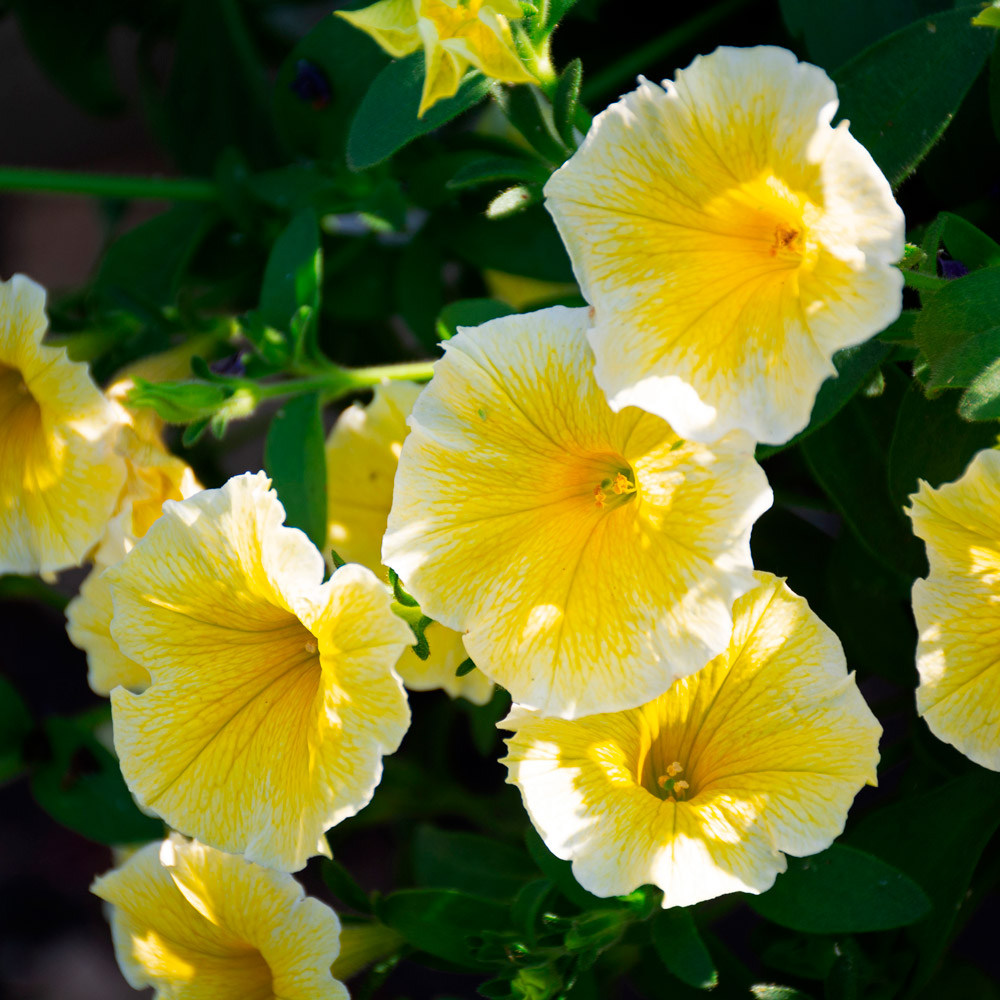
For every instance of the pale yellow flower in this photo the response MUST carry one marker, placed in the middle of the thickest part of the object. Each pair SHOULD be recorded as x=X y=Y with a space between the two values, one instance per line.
x=59 y=476
x=591 y=557
x=362 y=453
x=730 y=241
x=153 y=475
x=957 y=609
x=272 y=697
x=701 y=790
x=454 y=35
x=197 y=924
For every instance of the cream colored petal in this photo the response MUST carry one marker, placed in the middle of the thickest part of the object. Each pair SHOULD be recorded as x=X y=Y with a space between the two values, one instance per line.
x=730 y=242
x=957 y=609
x=772 y=741
x=392 y=23
x=272 y=696
x=496 y=529
x=88 y=624
x=447 y=653
x=59 y=476
x=443 y=70
x=197 y=924
x=362 y=452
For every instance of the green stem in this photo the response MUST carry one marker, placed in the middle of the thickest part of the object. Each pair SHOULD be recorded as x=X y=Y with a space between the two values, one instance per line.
x=624 y=71
x=414 y=371
x=341 y=381
x=106 y=185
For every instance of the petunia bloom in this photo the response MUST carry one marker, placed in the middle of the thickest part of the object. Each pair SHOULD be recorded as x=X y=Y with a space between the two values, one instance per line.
x=454 y=35
x=59 y=475
x=731 y=241
x=701 y=790
x=197 y=924
x=591 y=557
x=272 y=695
x=362 y=453
x=957 y=609
x=153 y=475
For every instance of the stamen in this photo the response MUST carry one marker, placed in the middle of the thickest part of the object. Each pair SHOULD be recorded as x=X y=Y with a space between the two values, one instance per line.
x=669 y=782
x=784 y=238
x=311 y=647
x=675 y=769
x=599 y=496
x=622 y=485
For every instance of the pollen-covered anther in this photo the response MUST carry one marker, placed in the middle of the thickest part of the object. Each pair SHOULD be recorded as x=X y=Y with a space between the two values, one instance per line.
x=622 y=484
x=671 y=785
x=786 y=238
x=599 y=497
x=311 y=647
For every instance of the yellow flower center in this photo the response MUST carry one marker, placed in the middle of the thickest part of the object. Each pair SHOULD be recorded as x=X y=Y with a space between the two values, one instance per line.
x=450 y=20
x=616 y=489
x=658 y=770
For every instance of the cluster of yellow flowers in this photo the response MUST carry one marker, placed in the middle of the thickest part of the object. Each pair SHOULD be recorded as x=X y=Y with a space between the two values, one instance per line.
x=570 y=499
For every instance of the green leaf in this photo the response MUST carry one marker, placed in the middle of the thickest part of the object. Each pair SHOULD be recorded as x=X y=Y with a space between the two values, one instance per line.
x=967 y=243
x=442 y=921
x=179 y=402
x=70 y=41
x=80 y=786
x=560 y=872
x=217 y=96
x=15 y=724
x=855 y=367
x=981 y=400
x=848 y=458
x=526 y=243
x=470 y=312
x=682 y=950
x=990 y=17
x=596 y=930
x=292 y=279
x=387 y=118
x=343 y=885
x=938 y=848
x=841 y=891
x=958 y=331
x=295 y=459
x=498 y=168
x=566 y=101
x=523 y=106
x=469 y=862
x=902 y=92
x=320 y=86
x=147 y=264
x=931 y=442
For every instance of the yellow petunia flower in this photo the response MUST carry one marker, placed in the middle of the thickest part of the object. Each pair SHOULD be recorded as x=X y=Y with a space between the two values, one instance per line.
x=701 y=790
x=957 y=609
x=272 y=697
x=362 y=453
x=197 y=924
x=454 y=35
x=591 y=557
x=59 y=476
x=153 y=475
x=730 y=241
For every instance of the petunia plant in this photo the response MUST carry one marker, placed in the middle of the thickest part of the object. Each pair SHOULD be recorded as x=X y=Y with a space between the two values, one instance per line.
x=520 y=517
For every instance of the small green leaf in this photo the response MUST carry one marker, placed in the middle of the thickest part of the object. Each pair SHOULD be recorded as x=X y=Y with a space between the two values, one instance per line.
x=931 y=442
x=465 y=667
x=442 y=921
x=292 y=280
x=80 y=786
x=902 y=92
x=470 y=312
x=469 y=862
x=595 y=930
x=498 y=168
x=386 y=119
x=179 y=402
x=988 y=18
x=343 y=885
x=295 y=459
x=525 y=110
x=682 y=950
x=968 y=244
x=855 y=366
x=842 y=890
x=768 y=991
x=566 y=101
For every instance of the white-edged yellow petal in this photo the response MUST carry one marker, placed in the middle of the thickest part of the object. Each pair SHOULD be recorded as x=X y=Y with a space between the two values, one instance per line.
x=198 y=924
x=701 y=790
x=957 y=609
x=59 y=475
x=730 y=241
x=272 y=697
x=392 y=23
x=591 y=557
